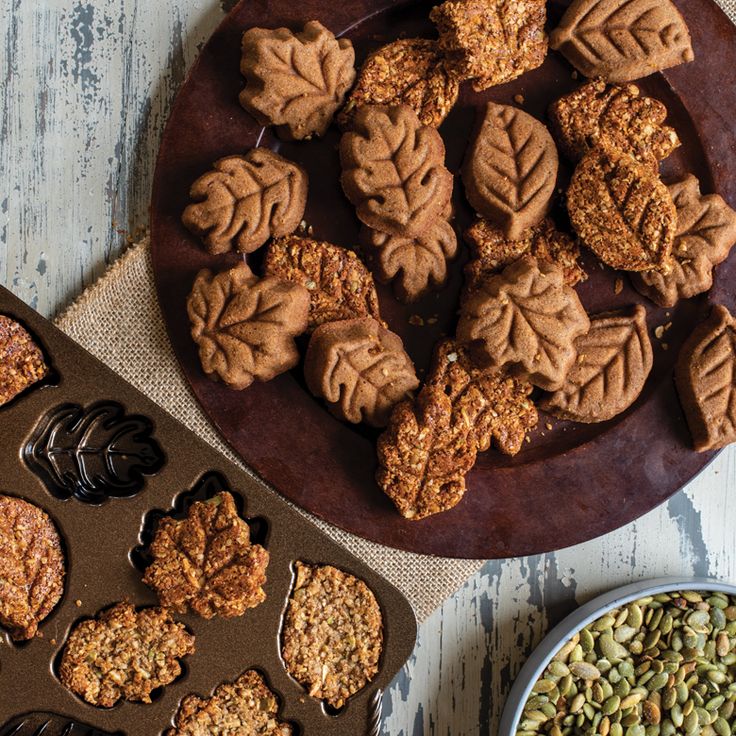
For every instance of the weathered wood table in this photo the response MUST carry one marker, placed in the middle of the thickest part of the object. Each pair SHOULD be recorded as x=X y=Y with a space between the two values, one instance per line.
x=85 y=93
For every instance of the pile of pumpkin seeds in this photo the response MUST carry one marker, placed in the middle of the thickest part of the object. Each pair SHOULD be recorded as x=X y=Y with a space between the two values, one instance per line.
x=664 y=665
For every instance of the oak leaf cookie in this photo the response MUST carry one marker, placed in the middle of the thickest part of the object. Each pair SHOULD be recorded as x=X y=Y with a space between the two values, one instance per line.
x=124 y=654
x=245 y=326
x=613 y=363
x=622 y=40
x=295 y=81
x=22 y=362
x=32 y=567
x=245 y=200
x=246 y=707
x=332 y=636
x=622 y=211
x=510 y=169
x=410 y=71
x=492 y=251
x=339 y=285
x=206 y=562
x=705 y=375
x=393 y=170
x=491 y=42
x=360 y=369
x=525 y=319
x=706 y=232
x=607 y=114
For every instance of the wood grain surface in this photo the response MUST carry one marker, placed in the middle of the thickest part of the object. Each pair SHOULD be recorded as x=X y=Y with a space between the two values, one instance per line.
x=85 y=91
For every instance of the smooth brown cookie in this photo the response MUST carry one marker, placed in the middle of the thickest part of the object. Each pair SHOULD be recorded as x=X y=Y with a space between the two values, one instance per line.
x=295 y=81
x=706 y=232
x=705 y=375
x=245 y=200
x=339 y=285
x=491 y=42
x=22 y=362
x=622 y=211
x=393 y=170
x=410 y=71
x=360 y=369
x=618 y=116
x=613 y=363
x=527 y=320
x=245 y=326
x=622 y=40
x=510 y=169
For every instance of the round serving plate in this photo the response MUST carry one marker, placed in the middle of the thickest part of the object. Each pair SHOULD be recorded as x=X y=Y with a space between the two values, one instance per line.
x=571 y=482
x=580 y=618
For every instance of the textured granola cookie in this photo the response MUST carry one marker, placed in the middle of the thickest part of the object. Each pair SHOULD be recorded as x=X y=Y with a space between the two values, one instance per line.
x=32 y=567
x=245 y=326
x=360 y=369
x=613 y=363
x=525 y=319
x=510 y=169
x=332 y=635
x=705 y=375
x=245 y=200
x=393 y=170
x=206 y=562
x=21 y=361
x=622 y=211
x=706 y=232
x=618 y=116
x=339 y=285
x=124 y=654
x=492 y=251
x=246 y=707
x=410 y=71
x=621 y=40
x=295 y=81
x=491 y=41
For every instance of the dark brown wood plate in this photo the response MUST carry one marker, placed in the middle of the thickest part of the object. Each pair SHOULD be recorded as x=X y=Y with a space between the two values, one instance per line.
x=572 y=482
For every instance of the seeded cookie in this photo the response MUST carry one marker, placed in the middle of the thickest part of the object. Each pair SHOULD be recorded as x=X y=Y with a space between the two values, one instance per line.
x=295 y=81
x=622 y=211
x=32 y=567
x=360 y=369
x=705 y=375
x=339 y=285
x=245 y=326
x=206 y=562
x=617 y=116
x=246 y=707
x=491 y=41
x=332 y=635
x=124 y=654
x=22 y=362
x=410 y=71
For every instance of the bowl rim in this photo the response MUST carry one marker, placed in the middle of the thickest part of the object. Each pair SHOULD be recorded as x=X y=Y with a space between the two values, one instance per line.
x=579 y=618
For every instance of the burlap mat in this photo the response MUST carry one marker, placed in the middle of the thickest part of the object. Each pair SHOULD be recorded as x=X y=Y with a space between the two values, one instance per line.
x=118 y=320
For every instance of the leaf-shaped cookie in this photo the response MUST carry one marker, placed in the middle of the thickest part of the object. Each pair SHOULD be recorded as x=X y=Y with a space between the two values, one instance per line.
x=622 y=211
x=245 y=200
x=295 y=81
x=706 y=232
x=622 y=40
x=706 y=381
x=93 y=453
x=393 y=170
x=525 y=318
x=245 y=326
x=360 y=369
x=510 y=169
x=614 y=360
x=41 y=723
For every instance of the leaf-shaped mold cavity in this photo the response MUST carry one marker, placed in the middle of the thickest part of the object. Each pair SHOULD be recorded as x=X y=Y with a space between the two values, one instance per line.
x=93 y=453
x=41 y=723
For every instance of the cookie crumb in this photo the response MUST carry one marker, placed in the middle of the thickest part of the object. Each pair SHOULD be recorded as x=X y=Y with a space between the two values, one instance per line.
x=416 y=320
x=618 y=286
x=519 y=99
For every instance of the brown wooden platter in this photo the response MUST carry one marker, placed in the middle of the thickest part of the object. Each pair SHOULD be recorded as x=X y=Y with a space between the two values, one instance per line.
x=572 y=482
x=104 y=539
